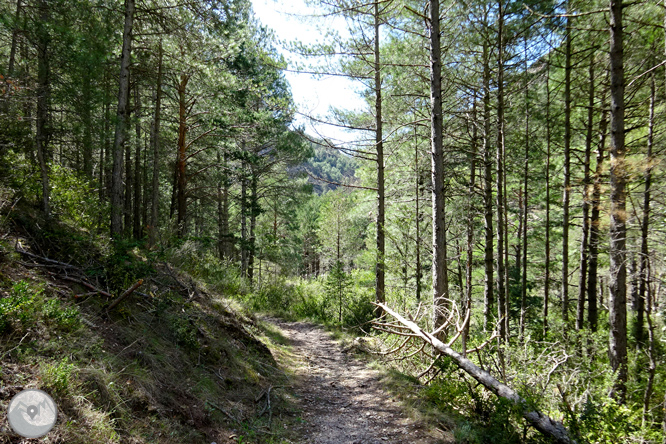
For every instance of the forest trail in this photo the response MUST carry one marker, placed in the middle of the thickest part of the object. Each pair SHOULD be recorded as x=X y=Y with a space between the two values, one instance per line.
x=343 y=400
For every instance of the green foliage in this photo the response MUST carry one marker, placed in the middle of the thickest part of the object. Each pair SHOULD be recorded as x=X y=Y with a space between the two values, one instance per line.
x=26 y=304
x=18 y=310
x=74 y=199
x=65 y=318
x=183 y=331
x=336 y=286
x=58 y=377
x=126 y=264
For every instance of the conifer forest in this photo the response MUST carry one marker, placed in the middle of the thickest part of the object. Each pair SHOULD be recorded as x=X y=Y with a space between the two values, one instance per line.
x=492 y=232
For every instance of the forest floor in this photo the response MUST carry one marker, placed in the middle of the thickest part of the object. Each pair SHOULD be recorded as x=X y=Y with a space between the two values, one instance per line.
x=343 y=399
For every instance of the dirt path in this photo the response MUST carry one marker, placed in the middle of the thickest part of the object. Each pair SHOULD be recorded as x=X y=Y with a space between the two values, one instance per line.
x=343 y=400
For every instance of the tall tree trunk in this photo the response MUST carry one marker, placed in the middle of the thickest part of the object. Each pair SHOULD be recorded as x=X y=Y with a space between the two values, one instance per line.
x=523 y=287
x=618 y=228
x=566 y=194
x=440 y=279
x=136 y=207
x=546 y=283
x=254 y=212
x=119 y=140
x=155 y=143
x=105 y=141
x=469 y=265
x=243 y=214
x=87 y=125
x=15 y=34
x=652 y=353
x=584 y=253
x=43 y=103
x=645 y=223
x=501 y=274
x=592 y=299
x=489 y=286
x=129 y=181
x=417 y=194
x=223 y=211
x=182 y=158
x=379 y=143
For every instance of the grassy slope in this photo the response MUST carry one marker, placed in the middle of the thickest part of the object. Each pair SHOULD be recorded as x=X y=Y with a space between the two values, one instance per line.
x=158 y=368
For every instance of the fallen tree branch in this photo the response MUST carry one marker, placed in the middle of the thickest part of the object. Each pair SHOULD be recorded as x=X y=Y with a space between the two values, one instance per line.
x=229 y=415
x=88 y=285
x=45 y=259
x=127 y=292
x=535 y=418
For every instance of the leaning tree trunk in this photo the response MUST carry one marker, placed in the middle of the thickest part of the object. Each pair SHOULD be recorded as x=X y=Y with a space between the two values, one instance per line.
x=440 y=282
x=534 y=417
x=618 y=228
x=119 y=140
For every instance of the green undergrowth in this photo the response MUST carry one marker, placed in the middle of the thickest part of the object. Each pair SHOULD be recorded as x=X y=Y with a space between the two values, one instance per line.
x=175 y=362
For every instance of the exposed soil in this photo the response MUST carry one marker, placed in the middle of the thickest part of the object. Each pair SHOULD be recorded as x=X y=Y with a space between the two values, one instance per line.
x=343 y=400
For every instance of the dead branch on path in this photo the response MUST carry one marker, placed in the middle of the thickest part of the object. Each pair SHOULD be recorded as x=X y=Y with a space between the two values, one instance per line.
x=534 y=417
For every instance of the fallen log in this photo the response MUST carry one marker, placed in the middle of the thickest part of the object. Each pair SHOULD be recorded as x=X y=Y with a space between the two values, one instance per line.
x=534 y=417
x=127 y=292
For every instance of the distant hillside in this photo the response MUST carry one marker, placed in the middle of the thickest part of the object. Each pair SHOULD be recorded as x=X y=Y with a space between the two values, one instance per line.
x=332 y=166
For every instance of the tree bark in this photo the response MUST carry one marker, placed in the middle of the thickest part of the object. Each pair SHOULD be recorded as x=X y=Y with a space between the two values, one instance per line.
x=120 y=134
x=618 y=228
x=534 y=417
x=440 y=282
x=584 y=242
